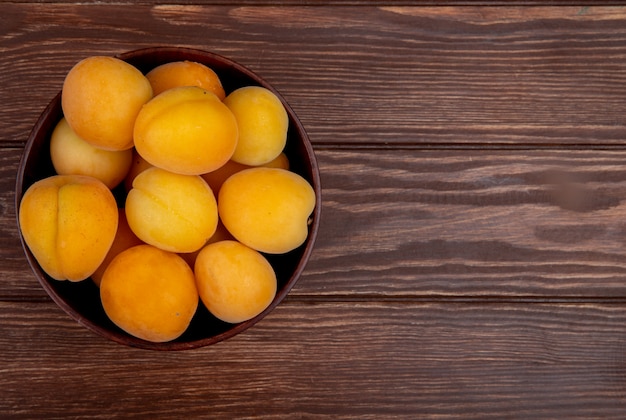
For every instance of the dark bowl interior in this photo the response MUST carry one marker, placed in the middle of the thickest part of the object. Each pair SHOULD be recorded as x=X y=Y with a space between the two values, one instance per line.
x=81 y=300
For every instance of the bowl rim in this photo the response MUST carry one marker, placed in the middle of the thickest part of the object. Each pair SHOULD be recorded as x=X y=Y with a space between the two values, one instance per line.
x=53 y=109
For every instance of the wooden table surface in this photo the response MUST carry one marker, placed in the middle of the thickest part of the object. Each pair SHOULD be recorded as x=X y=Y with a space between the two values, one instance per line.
x=471 y=259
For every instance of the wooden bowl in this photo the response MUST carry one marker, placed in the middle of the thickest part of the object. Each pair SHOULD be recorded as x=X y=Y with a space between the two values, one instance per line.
x=81 y=300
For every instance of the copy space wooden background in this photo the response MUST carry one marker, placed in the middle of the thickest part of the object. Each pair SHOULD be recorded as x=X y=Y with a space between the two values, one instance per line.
x=471 y=261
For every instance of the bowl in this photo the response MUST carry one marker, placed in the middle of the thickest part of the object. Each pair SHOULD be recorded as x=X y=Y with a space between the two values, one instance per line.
x=81 y=300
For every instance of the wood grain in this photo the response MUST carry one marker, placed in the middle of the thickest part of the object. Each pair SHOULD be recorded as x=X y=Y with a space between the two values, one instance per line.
x=446 y=223
x=584 y=5
x=471 y=222
x=471 y=257
x=452 y=75
x=367 y=360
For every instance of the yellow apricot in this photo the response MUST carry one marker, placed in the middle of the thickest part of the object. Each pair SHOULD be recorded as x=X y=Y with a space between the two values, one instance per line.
x=174 y=212
x=69 y=223
x=72 y=155
x=185 y=73
x=216 y=178
x=149 y=293
x=186 y=130
x=267 y=208
x=235 y=282
x=262 y=121
x=101 y=98
x=124 y=238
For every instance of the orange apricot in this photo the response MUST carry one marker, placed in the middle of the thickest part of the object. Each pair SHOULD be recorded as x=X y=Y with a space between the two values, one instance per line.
x=185 y=73
x=149 y=293
x=69 y=223
x=267 y=208
x=263 y=123
x=101 y=97
x=186 y=130
x=235 y=282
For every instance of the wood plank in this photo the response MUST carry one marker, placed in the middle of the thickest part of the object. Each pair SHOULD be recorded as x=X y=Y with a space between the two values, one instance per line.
x=17 y=279
x=417 y=224
x=471 y=222
x=330 y=3
x=425 y=75
x=347 y=360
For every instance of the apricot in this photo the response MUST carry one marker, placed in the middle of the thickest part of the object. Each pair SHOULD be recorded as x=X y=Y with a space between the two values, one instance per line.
x=72 y=155
x=185 y=73
x=174 y=212
x=124 y=238
x=235 y=282
x=186 y=130
x=262 y=121
x=267 y=208
x=149 y=293
x=216 y=178
x=69 y=223
x=101 y=97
